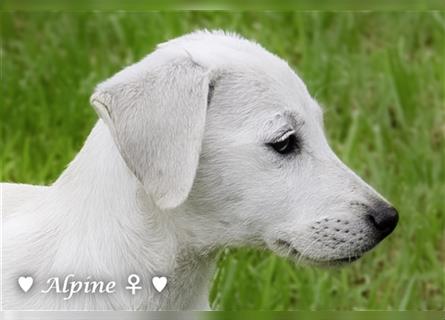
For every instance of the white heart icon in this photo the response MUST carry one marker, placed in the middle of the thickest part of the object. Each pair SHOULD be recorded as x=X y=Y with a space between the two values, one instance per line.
x=159 y=283
x=25 y=283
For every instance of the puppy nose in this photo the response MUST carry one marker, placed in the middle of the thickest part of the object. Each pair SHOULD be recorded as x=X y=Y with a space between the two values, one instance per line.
x=384 y=219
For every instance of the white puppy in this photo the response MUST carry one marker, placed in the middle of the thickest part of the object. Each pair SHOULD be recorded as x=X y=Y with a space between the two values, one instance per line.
x=209 y=141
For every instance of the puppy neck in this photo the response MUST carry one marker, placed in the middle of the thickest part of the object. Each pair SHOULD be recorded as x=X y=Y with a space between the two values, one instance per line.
x=107 y=204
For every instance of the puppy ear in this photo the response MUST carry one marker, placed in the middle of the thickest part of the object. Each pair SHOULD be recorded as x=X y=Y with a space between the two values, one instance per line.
x=156 y=110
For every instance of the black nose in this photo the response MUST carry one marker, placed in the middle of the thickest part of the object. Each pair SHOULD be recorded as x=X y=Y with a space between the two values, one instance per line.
x=384 y=218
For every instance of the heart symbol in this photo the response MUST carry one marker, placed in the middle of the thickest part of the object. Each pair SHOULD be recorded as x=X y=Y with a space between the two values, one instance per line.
x=25 y=283
x=159 y=283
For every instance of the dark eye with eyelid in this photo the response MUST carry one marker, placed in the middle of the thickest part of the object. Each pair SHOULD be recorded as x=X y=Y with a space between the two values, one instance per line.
x=287 y=145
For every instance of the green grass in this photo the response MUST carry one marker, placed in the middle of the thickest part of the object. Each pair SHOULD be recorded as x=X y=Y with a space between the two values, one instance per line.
x=380 y=77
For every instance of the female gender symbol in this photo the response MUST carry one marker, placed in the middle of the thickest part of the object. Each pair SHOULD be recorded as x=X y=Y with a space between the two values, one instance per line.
x=133 y=281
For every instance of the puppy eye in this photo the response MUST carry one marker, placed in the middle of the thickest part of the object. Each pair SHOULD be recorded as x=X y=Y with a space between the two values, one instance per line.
x=286 y=146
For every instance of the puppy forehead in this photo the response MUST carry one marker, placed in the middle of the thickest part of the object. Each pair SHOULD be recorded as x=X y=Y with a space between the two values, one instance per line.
x=241 y=98
x=248 y=77
x=220 y=51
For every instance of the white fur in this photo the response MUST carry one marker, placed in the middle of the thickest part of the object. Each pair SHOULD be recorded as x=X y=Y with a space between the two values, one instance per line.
x=164 y=180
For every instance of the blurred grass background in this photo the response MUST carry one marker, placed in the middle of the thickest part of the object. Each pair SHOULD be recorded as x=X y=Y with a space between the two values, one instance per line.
x=380 y=77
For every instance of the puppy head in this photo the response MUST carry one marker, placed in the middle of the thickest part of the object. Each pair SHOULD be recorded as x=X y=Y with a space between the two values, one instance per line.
x=218 y=126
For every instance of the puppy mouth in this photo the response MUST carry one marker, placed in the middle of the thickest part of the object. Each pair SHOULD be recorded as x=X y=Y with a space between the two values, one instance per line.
x=345 y=260
x=298 y=256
